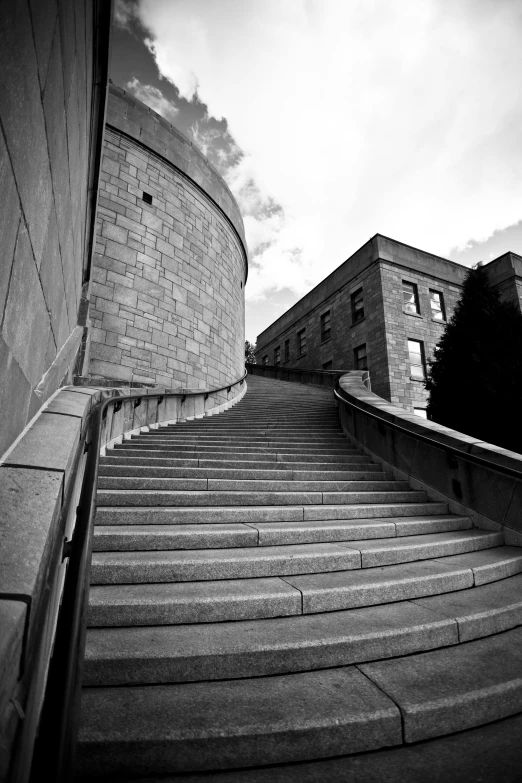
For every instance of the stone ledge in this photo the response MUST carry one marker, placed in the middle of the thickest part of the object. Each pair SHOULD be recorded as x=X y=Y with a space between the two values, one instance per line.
x=484 y=490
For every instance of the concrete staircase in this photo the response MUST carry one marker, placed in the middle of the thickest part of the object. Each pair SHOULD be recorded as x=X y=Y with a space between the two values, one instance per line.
x=263 y=593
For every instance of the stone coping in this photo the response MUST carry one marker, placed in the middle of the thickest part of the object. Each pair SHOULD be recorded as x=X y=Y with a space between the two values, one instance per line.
x=434 y=458
x=133 y=118
x=351 y=383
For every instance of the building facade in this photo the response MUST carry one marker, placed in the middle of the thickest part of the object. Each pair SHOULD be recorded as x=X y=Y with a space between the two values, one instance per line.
x=167 y=293
x=383 y=310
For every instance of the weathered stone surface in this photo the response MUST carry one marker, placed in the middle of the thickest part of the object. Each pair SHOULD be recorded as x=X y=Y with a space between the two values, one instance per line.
x=197 y=565
x=184 y=311
x=26 y=325
x=453 y=689
x=367 y=586
x=14 y=386
x=256 y=721
x=143 y=537
x=191 y=602
x=70 y=403
x=489 y=564
x=30 y=502
x=485 y=610
x=490 y=752
x=50 y=443
x=12 y=625
x=254 y=648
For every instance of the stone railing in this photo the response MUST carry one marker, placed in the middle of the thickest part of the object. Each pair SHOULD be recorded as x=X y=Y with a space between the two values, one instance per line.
x=474 y=477
x=41 y=484
x=326 y=378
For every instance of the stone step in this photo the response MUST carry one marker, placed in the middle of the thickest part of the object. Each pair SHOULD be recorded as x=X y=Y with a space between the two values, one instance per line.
x=240 y=599
x=248 y=485
x=114 y=538
x=119 y=497
x=214 y=427
x=218 y=460
x=153 y=515
x=231 y=433
x=172 y=728
x=305 y=560
x=144 y=729
x=334 y=591
x=255 y=648
x=156 y=436
x=278 y=471
x=288 y=448
x=454 y=689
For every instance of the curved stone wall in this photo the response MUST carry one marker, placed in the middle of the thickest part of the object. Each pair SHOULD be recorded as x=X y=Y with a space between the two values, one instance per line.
x=167 y=295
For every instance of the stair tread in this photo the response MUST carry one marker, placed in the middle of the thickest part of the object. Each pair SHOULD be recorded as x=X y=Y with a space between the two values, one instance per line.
x=279 y=718
x=263 y=592
x=452 y=689
x=264 y=533
x=258 y=647
x=257 y=720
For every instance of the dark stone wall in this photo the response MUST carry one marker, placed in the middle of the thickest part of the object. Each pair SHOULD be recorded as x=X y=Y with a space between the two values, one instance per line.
x=51 y=120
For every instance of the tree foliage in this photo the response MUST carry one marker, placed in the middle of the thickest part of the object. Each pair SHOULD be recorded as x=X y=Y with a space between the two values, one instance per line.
x=475 y=377
x=250 y=355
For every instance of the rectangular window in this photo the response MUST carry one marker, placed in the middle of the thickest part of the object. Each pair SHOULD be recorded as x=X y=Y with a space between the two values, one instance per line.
x=357 y=306
x=301 y=342
x=287 y=350
x=328 y=365
x=360 y=357
x=325 y=326
x=264 y=360
x=277 y=355
x=410 y=298
x=417 y=362
x=438 y=311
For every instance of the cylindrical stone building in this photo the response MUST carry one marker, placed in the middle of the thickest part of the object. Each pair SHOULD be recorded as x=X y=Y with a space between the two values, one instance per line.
x=167 y=292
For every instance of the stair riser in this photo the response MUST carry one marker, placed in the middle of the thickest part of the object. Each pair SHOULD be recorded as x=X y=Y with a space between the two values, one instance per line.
x=178 y=658
x=277 y=561
x=181 y=516
x=246 y=448
x=110 y=497
x=177 y=570
x=278 y=473
x=245 y=485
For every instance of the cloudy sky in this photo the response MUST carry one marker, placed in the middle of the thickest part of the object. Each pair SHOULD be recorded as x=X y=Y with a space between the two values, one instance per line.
x=333 y=120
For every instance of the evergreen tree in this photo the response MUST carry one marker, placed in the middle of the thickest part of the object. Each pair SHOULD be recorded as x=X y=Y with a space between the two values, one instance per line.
x=250 y=355
x=475 y=377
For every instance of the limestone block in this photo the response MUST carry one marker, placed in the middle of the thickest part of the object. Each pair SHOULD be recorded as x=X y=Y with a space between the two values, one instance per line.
x=31 y=502
x=9 y=219
x=12 y=625
x=49 y=443
x=23 y=119
x=26 y=325
x=14 y=385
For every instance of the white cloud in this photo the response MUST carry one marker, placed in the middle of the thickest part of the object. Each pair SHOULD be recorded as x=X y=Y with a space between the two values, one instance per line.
x=124 y=12
x=154 y=98
x=355 y=117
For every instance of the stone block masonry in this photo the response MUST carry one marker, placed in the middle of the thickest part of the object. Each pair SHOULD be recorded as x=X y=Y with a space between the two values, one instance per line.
x=167 y=294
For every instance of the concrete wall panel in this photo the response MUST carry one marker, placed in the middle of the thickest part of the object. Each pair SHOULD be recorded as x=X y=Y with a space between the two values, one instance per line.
x=48 y=130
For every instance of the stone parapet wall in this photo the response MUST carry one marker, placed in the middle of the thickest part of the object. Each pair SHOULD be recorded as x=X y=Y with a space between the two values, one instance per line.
x=167 y=294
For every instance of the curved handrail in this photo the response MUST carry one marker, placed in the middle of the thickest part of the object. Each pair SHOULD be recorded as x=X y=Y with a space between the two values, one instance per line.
x=450 y=450
x=60 y=714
